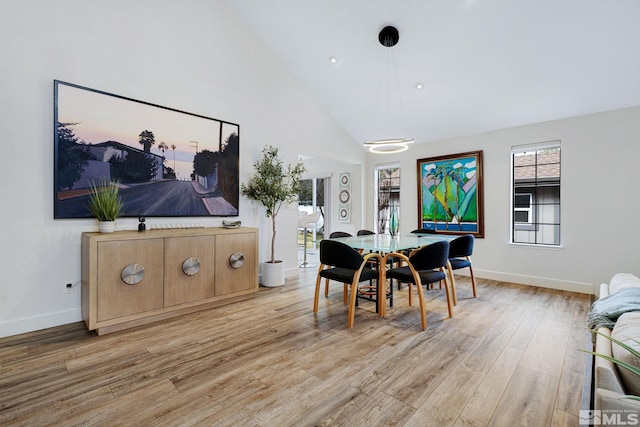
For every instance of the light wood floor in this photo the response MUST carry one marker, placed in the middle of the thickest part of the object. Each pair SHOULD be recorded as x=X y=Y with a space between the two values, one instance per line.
x=508 y=358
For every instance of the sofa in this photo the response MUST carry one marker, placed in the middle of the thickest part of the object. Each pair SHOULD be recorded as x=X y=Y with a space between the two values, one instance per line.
x=612 y=382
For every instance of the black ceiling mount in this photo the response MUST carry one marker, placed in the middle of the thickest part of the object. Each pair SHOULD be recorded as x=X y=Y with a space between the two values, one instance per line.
x=389 y=36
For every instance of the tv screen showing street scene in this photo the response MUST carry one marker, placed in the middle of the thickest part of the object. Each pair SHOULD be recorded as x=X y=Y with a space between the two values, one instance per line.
x=165 y=162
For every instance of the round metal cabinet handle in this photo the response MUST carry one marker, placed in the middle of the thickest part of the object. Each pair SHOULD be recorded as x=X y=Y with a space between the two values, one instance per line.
x=132 y=274
x=191 y=266
x=236 y=260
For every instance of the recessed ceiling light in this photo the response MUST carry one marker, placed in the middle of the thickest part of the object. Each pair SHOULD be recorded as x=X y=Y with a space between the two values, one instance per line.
x=419 y=85
x=333 y=60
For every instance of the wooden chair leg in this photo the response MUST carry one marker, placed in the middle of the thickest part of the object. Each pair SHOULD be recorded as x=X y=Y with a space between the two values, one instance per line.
x=448 y=294
x=423 y=314
x=382 y=294
x=326 y=288
x=344 y=294
x=316 y=295
x=453 y=283
x=352 y=305
x=473 y=281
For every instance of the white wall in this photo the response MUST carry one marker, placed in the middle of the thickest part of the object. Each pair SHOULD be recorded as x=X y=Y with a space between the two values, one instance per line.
x=191 y=55
x=599 y=203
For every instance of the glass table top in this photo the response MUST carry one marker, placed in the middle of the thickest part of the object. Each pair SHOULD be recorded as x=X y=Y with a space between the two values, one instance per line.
x=385 y=243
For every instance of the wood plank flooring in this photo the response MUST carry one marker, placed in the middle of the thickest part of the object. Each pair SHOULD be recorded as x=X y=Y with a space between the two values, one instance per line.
x=507 y=358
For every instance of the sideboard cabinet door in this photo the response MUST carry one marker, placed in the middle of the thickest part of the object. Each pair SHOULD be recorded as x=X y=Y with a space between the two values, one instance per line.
x=231 y=275
x=189 y=269
x=119 y=258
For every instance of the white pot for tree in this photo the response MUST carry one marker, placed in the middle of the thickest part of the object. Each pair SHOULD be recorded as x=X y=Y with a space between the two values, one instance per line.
x=273 y=274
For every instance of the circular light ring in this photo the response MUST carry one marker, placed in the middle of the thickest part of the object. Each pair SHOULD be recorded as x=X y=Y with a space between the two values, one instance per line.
x=388 y=148
x=390 y=141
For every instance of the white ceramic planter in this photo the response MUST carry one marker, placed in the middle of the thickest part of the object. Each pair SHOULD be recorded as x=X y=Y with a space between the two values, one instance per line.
x=273 y=274
x=106 y=226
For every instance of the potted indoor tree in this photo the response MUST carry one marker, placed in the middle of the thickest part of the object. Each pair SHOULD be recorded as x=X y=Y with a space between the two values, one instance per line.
x=105 y=204
x=274 y=186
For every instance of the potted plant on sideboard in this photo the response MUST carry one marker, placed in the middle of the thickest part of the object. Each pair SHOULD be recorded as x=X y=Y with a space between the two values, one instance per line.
x=273 y=186
x=105 y=204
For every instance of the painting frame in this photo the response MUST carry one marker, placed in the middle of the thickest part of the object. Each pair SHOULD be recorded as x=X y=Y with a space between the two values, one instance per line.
x=166 y=162
x=451 y=193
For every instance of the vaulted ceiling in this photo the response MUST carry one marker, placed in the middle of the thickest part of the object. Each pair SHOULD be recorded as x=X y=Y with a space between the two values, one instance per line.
x=483 y=64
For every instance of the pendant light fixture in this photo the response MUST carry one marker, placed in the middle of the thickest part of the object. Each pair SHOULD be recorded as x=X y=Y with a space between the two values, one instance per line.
x=388 y=37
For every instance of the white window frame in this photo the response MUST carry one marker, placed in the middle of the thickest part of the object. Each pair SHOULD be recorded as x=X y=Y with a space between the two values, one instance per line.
x=533 y=224
x=527 y=209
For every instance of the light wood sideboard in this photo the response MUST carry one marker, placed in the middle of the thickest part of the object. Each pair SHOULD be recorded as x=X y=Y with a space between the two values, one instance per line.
x=131 y=278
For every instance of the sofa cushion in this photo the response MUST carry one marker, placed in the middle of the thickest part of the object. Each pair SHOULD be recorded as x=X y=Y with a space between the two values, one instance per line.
x=627 y=330
x=623 y=281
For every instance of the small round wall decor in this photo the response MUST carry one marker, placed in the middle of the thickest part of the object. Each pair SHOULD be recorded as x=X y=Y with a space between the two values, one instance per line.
x=344 y=196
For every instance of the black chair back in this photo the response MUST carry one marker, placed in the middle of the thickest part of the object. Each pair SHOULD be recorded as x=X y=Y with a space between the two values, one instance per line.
x=338 y=254
x=461 y=247
x=364 y=233
x=339 y=234
x=424 y=231
x=431 y=256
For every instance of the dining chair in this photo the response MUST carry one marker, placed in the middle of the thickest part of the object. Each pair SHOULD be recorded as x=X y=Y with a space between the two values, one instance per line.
x=424 y=266
x=339 y=234
x=417 y=231
x=364 y=233
x=460 y=250
x=424 y=231
x=333 y=235
x=342 y=263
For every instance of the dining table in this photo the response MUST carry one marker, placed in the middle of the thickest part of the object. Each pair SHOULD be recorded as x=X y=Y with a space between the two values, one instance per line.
x=386 y=244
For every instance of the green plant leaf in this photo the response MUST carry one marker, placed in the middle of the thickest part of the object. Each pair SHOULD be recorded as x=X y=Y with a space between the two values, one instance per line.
x=633 y=369
x=105 y=203
x=273 y=185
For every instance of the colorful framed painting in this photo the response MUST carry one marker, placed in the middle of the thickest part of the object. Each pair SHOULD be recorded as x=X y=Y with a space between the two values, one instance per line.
x=450 y=194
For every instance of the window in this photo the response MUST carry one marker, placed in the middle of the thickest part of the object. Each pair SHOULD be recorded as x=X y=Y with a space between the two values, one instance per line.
x=535 y=201
x=522 y=208
x=387 y=195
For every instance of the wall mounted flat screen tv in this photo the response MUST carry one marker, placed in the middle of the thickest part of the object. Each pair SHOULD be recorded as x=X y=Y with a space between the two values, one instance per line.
x=167 y=162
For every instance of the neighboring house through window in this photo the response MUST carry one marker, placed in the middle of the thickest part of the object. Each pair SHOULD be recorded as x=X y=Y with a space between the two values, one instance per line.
x=535 y=201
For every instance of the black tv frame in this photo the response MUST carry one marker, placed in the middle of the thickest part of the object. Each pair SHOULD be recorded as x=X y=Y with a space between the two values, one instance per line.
x=94 y=142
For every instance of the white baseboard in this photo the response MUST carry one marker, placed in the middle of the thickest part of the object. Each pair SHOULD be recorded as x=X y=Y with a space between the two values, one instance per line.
x=543 y=282
x=35 y=323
